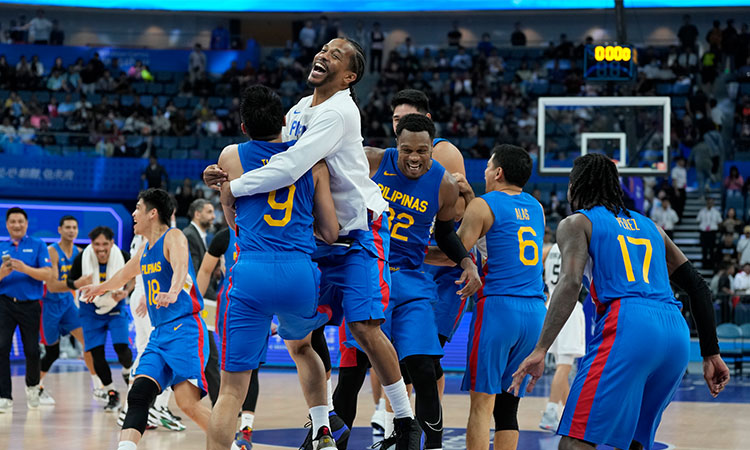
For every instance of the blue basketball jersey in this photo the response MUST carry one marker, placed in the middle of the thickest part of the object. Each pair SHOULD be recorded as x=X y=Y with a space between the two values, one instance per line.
x=413 y=205
x=514 y=243
x=230 y=257
x=63 y=268
x=157 y=277
x=281 y=220
x=628 y=258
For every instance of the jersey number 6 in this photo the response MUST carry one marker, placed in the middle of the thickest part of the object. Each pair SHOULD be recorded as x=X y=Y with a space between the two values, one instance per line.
x=529 y=243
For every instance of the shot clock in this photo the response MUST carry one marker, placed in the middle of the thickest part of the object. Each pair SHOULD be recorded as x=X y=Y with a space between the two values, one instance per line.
x=610 y=63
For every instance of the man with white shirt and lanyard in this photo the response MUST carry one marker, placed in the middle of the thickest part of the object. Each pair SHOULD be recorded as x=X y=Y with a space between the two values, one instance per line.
x=355 y=269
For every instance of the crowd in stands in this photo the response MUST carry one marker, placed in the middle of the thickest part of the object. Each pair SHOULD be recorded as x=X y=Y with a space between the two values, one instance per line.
x=38 y=30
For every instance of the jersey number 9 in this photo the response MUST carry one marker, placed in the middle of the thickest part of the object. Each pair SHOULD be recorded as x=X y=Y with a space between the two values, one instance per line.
x=286 y=207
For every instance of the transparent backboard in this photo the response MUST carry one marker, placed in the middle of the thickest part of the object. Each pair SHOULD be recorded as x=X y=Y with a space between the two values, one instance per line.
x=632 y=131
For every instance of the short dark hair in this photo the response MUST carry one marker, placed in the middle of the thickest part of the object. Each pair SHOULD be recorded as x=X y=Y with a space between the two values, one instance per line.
x=262 y=113
x=16 y=210
x=515 y=162
x=416 y=123
x=102 y=231
x=160 y=200
x=413 y=97
x=67 y=217
x=197 y=205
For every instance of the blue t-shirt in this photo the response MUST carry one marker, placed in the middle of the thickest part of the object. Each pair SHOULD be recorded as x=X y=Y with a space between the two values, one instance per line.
x=157 y=276
x=63 y=268
x=413 y=204
x=514 y=243
x=33 y=252
x=628 y=258
x=278 y=221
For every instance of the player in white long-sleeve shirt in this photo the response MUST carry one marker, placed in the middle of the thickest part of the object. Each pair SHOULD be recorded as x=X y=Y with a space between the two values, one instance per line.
x=355 y=279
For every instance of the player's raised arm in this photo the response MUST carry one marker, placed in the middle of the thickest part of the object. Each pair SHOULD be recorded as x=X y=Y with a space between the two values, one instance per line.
x=177 y=254
x=129 y=271
x=573 y=238
x=683 y=274
x=322 y=138
x=326 y=223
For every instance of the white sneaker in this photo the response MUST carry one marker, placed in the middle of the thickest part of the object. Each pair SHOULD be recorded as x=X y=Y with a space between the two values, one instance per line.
x=6 y=405
x=167 y=419
x=32 y=397
x=121 y=416
x=100 y=394
x=44 y=398
x=550 y=421
x=377 y=422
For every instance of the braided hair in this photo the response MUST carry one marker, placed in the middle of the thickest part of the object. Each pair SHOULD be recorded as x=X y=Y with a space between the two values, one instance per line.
x=356 y=65
x=594 y=181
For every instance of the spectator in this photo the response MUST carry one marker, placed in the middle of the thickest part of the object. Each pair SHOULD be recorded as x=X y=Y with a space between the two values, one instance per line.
x=709 y=63
x=55 y=81
x=517 y=38
x=201 y=215
x=701 y=158
x=26 y=132
x=407 y=50
x=325 y=32
x=219 y=38
x=361 y=35
x=377 y=44
x=665 y=217
x=45 y=136
x=729 y=43
x=8 y=130
x=155 y=174
x=135 y=70
x=688 y=33
x=733 y=182
x=36 y=66
x=743 y=246
x=285 y=61
x=713 y=37
x=485 y=45
x=196 y=63
x=89 y=77
x=726 y=252
x=39 y=28
x=679 y=183
x=307 y=40
x=709 y=220
x=22 y=280
x=454 y=36
x=725 y=280
x=461 y=61
x=56 y=35
x=184 y=196
x=742 y=280
x=731 y=224
x=106 y=83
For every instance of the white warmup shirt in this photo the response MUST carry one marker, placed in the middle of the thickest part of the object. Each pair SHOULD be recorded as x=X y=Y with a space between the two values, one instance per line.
x=330 y=131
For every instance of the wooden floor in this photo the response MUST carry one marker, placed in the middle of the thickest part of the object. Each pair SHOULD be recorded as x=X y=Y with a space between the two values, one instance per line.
x=78 y=422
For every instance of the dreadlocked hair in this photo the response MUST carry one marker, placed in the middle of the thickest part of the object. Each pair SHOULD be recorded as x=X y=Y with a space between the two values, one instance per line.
x=594 y=181
x=356 y=65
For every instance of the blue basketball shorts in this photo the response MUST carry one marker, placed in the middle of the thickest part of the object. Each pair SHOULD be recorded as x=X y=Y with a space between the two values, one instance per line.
x=448 y=306
x=59 y=317
x=262 y=285
x=632 y=369
x=177 y=351
x=95 y=327
x=504 y=331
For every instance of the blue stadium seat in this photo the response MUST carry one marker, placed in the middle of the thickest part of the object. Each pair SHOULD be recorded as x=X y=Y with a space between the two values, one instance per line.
x=95 y=99
x=171 y=89
x=197 y=153
x=60 y=96
x=180 y=102
x=192 y=101
x=539 y=88
x=206 y=142
x=154 y=88
x=139 y=88
x=56 y=123
x=25 y=96
x=162 y=153
x=681 y=89
x=147 y=100
x=127 y=100
x=745 y=88
x=215 y=102
x=164 y=76
x=187 y=141
x=556 y=89
x=53 y=150
x=69 y=150
x=179 y=154
x=163 y=100
x=679 y=102
x=663 y=89
x=62 y=138
x=42 y=96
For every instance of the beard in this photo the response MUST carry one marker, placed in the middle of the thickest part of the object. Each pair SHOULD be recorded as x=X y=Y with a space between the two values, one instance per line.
x=327 y=79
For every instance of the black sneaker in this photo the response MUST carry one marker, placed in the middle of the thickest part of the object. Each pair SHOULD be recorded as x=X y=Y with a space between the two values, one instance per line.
x=113 y=401
x=406 y=435
x=339 y=431
x=323 y=439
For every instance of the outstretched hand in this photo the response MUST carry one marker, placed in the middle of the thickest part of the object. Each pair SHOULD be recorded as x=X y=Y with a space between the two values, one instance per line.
x=90 y=292
x=533 y=365
x=716 y=374
x=470 y=279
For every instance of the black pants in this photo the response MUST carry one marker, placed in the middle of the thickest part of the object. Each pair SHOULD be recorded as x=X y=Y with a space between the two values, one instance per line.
x=376 y=61
x=26 y=316
x=708 y=248
x=213 y=378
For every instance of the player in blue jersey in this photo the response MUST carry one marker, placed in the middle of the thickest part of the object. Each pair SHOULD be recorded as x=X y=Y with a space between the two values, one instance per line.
x=59 y=312
x=508 y=318
x=177 y=349
x=640 y=350
x=274 y=273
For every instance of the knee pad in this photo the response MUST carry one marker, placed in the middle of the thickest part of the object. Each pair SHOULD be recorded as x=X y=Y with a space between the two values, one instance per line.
x=438 y=369
x=506 y=412
x=404 y=373
x=421 y=369
x=51 y=353
x=141 y=396
x=124 y=355
x=319 y=344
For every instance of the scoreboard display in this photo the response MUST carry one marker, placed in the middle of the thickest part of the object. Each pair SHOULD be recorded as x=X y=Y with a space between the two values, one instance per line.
x=610 y=63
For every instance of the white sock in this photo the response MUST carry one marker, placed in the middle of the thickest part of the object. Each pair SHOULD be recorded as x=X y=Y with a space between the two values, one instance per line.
x=380 y=405
x=247 y=420
x=388 y=424
x=162 y=400
x=96 y=382
x=319 y=416
x=329 y=392
x=399 y=399
x=127 y=445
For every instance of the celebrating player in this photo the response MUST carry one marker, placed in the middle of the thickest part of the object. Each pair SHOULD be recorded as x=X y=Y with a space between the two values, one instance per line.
x=355 y=273
x=513 y=223
x=641 y=345
x=177 y=349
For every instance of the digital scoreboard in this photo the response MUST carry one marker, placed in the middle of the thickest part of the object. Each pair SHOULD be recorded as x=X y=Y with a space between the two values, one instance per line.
x=610 y=63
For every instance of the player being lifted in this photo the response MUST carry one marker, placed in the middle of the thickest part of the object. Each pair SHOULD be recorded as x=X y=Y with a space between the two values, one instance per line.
x=513 y=295
x=640 y=349
x=177 y=349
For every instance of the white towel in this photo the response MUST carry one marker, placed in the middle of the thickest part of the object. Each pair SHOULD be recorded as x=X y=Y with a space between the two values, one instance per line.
x=90 y=266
